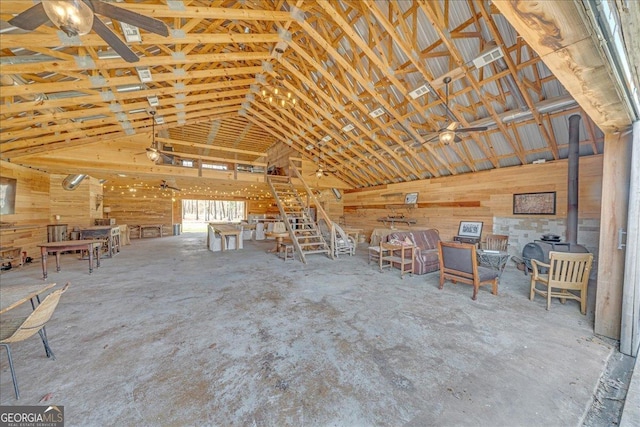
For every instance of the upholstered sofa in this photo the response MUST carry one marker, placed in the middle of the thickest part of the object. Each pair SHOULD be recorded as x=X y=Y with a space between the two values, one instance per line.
x=426 y=242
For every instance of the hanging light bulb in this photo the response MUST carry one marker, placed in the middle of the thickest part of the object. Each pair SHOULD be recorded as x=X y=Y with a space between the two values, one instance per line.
x=447 y=136
x=153 y=154
x=74 y=17
x=278 y=96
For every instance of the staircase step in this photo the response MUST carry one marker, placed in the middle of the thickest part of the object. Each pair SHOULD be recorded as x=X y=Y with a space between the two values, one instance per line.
x=324 y=251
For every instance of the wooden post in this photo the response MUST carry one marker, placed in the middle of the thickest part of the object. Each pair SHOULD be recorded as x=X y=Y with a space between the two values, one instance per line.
x=613 y=213
x=630 y=325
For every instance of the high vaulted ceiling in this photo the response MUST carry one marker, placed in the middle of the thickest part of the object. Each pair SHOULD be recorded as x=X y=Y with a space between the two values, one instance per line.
x=67 y=98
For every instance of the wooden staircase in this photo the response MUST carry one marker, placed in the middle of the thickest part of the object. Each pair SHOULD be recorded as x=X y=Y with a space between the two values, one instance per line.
x=303 y=230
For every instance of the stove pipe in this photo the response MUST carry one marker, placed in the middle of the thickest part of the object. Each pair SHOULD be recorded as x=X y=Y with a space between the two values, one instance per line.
x=572 y=185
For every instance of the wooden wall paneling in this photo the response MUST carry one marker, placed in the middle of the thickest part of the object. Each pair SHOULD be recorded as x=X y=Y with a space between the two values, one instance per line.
x=445 y=201
x=146 y=206
x=76 y=207
x=31 y=210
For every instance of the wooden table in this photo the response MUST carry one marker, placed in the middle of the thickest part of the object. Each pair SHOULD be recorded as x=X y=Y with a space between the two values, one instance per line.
x=493 y=259
x=70 y=245
x=279 y=236
x=14 y=295
x=109 y=234
x=354 y=232
x=225 y=231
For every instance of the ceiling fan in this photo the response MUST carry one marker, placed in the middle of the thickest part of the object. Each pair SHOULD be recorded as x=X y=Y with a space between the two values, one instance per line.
x=77 y=18
x=322 y=171
x=166 y=186
x=448 y=134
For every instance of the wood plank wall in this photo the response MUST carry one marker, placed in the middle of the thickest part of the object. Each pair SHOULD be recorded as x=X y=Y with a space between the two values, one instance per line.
x=78 y=207
x=32 y=212
x=147 y=206
x=444 y=202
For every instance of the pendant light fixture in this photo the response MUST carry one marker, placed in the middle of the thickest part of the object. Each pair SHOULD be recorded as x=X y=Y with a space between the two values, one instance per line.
x=74 y=17
x=152 y=152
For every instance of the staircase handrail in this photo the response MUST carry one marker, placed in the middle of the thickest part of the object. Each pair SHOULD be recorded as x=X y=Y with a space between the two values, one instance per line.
x=320 y=211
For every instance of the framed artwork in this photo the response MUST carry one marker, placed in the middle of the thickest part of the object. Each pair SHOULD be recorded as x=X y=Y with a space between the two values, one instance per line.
x=534 y=203
x=470 y=229
x=411 y=199
x=7 y=196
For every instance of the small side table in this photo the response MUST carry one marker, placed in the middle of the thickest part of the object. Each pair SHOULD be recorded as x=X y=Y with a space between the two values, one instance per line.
x=493 y=259
x=392 y=255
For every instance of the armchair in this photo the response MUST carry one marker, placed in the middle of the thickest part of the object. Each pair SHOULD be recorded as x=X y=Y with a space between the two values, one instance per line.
x=458 y=263
x=568 y=273
x=21 y=328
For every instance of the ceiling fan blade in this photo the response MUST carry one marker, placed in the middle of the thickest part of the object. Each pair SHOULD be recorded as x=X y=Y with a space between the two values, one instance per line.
x=132 y=18
x=433 y=138
x=473 y=129
x=31 y=18
x=114 y=41
x=452 y=126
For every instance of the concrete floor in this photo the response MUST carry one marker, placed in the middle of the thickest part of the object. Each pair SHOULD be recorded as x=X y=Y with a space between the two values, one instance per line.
x=168 y=333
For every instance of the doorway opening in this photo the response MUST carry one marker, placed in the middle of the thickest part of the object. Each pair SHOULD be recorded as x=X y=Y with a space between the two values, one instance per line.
x=196 y=214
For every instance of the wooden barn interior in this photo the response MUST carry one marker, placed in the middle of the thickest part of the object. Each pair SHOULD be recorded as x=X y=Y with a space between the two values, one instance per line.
x=397 y=115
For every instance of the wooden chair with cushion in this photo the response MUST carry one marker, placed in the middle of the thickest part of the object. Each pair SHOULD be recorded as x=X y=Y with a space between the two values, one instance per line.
x=496 y=242
x=21 y=328
x=458 y=263
x=567 y=277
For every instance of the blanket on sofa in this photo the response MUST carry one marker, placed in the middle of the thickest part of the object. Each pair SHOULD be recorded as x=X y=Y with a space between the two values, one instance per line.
x=426 y=242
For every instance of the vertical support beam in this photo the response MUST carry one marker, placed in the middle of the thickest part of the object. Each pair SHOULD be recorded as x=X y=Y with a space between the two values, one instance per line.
x=572 y=184
x=616 y=170
x=630 y=326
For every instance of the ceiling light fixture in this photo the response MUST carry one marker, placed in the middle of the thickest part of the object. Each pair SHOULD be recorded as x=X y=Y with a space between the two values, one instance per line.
x=74 y=17
x=447 y=136
x=277 y=95
x=152 y=152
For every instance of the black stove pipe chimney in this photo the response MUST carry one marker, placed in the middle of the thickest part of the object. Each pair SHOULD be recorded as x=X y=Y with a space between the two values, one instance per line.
x=572 y=185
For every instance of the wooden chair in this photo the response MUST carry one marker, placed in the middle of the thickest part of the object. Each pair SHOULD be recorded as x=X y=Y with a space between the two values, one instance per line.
x=21 y=328
x=496 y=242
x=341 y=243
x=458 y=263
x=568 y=273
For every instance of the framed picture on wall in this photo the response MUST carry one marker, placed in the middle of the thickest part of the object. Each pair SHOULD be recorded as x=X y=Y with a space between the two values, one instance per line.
x=534 y=203
x=7 y=196
x=470 y=229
